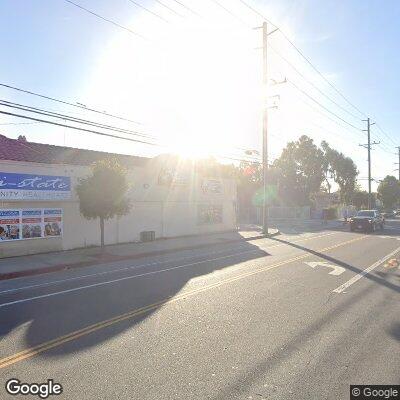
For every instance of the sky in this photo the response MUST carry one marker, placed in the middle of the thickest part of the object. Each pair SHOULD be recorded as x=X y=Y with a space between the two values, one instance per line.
x=191 y=77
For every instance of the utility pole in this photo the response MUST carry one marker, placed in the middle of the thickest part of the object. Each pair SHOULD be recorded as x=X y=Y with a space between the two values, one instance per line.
x=265 y=130
x=398 y=169
x=368 y=147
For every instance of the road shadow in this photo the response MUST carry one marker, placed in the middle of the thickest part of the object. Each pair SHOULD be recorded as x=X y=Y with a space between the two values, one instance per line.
x=372 y=277
x=394 y=330
x=43 y=320
x=283 y=351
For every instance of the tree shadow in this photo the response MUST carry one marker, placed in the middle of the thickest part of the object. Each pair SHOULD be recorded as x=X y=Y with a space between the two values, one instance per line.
x=56 y=316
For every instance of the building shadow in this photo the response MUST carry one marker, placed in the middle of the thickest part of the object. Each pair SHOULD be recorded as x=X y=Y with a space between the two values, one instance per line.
x=60 y=315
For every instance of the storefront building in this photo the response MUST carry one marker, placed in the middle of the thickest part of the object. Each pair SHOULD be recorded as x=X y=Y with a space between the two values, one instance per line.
x=39 y=208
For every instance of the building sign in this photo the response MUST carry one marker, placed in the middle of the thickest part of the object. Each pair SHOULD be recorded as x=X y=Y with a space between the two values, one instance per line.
x=30 y=223
x=213 y=186
x=209 y=214
x=52 y=219
x=169 y=177
x=9 y=224
x=34 y=187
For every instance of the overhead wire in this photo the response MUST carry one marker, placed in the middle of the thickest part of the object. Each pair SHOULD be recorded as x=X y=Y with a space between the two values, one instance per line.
x=148 y=10
x=106 y=19
x=300 y=52
x=169 y=8
x=311 y=83
x=79 y=128
x=322 y=106
x=41 y=111
x=68 y=103
x=188 y=8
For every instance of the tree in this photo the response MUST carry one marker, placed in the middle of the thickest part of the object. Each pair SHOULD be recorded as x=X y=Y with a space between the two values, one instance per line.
x=360 y=198
x=389 y=191
x=301 y=167
x=102 y=194
x=343 y=171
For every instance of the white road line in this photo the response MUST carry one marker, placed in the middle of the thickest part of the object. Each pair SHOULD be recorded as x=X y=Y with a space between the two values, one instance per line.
x=133 y=267
x=130 y=268
x=356 y=278
x=129 y=277
x=123 y=279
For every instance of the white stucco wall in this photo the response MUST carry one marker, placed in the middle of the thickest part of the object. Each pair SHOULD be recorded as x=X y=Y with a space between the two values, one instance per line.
x=169 y=211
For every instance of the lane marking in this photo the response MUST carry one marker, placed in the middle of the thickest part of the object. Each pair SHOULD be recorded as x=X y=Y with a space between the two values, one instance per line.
x=336 y=270
x=125 y=278
x=10 y=303
x=133 y=267
x=32 y=351
x=356 y=278
x=389 y=237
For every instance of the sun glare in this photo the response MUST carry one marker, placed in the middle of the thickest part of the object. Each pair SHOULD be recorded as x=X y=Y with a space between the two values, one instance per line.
x=194 y=85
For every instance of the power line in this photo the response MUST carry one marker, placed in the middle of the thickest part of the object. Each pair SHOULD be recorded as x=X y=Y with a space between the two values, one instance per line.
x=231 y=13
x=78 y=129
x=295 y=69
x=149 y=11
x=169 y=8
x=69 y=118
x=69 y=104
x=312 y=84
x=387 y=151
x=37 y=120
x=303 y=56
x=331 y=132
x=317 y=110
x=238 y=159
x=286 y=60
x=106 y=19
x=379 y=127
x=322 y=106
x=19 y=123
x=188 y=8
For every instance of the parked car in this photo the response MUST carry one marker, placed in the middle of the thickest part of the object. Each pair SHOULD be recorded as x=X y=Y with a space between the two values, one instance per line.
x=389 y=214
x=367 y=221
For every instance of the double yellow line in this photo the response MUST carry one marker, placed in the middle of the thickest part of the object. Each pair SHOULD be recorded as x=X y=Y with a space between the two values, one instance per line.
x=32 y=351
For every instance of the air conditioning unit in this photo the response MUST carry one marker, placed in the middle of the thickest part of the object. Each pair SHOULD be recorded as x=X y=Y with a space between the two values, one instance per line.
x=147 y=236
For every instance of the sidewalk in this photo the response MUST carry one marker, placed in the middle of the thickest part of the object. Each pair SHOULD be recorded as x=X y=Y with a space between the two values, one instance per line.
x=286 y=226
x=15 y=267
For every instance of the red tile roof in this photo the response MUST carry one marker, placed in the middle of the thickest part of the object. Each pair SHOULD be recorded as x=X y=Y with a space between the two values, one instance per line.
x=19 y=150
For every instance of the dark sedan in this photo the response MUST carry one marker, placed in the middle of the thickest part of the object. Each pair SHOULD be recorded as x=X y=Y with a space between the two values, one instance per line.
x=367 y=221
x=389 y=214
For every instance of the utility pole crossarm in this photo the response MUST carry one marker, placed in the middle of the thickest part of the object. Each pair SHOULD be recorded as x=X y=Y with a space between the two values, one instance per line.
x=398 y=149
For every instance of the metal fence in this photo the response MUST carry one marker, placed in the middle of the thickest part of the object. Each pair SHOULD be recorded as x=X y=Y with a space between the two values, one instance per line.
x=253 y=215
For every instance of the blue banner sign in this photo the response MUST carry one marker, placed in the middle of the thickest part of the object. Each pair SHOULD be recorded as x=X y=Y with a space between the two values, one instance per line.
x=9 y=213
x=34 y=187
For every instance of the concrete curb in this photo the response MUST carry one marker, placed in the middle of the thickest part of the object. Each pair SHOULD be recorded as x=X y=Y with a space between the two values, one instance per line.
x=106 y=258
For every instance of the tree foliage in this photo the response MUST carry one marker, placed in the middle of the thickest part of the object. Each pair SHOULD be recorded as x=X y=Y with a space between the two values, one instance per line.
x=343 y=171
x=360 y=198
x=103 y=194
x=389 y=191
x=301 y=171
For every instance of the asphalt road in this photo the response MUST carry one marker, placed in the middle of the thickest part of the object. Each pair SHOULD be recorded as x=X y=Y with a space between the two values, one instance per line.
x=300 y=316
